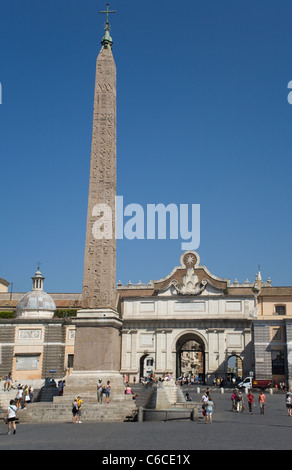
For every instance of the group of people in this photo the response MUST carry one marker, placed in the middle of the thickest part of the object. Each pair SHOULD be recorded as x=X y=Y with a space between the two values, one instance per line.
x=219 y=382
x=103 y=390
x=24 y=396
x=76 y=410
x=239 y=405
x=208 y=406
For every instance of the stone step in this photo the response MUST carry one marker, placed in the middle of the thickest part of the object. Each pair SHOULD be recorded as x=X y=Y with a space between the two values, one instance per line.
x=51 y=412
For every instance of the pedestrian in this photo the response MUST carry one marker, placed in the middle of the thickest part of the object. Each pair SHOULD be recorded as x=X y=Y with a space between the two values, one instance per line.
x=18 y=397
x=11 y=416
x=204 y=400
x=289 y=404
x=99 y=391
x=239 y=402
x=30 y=391
x=74 y=410
x=61 y=385
x=250 y=400
x=209 y=410
x=262 y=402
x=26 y=397
x=233 y=400
x=79 y=412
x=107 y=392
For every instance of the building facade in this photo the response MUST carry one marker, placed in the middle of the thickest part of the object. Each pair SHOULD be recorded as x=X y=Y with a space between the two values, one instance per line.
x=189 y=323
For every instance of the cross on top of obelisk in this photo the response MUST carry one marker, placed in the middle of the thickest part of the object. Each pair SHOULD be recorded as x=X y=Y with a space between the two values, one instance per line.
x=107 y=12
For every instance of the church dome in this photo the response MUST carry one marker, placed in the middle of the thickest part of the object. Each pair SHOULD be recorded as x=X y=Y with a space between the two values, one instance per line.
x=37 y=303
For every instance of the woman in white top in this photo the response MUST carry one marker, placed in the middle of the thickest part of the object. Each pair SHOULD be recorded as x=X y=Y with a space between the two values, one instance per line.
x=11 y=416
x=18 y=397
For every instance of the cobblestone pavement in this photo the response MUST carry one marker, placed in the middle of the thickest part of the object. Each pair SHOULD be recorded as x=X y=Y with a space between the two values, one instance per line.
x=229 y=431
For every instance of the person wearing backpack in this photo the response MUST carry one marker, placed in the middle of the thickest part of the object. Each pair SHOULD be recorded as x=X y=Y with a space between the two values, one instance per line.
x=74 y=410
x=11 y=417
x=99 y=391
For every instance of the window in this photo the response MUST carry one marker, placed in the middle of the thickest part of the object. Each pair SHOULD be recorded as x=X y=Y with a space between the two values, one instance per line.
x=278 y=362
x=70 y=361
x=280 y=309
x=276 y=334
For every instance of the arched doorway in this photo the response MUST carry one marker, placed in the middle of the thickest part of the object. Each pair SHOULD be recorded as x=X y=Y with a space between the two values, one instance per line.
x=234 y=369
x=146 y=365
x=190 y=357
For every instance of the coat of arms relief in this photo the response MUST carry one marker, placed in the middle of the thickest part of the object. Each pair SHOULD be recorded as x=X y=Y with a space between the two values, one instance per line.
x=190 y=284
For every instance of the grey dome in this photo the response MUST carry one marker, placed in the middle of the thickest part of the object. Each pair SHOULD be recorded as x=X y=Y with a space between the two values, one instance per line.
x=36 y=303
x=36 y=300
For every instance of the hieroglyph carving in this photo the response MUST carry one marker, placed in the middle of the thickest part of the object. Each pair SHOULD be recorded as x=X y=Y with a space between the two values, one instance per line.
x=99 y=281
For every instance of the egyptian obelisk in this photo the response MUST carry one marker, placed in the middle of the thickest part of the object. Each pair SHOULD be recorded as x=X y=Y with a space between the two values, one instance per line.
x=98 y=324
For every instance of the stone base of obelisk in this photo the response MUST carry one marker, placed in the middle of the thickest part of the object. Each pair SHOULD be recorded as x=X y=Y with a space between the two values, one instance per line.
x=84 y=384
x=97 y=354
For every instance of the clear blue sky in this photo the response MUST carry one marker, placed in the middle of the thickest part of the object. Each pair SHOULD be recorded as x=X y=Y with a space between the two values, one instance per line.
x=203 y=118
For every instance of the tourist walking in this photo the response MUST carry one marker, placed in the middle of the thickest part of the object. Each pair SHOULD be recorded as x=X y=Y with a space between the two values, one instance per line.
x=30 y=391
x=250 y=401
x=74 y=410
x=26 y=397
x=233 y=400
x=262 y=402
x=11 y=416
x=239 y=403
x=99 y=391
x=289 y=404
x=79 y=412
x=18 y=397
x=107 y=392
x=204 y=401
x=209 y=410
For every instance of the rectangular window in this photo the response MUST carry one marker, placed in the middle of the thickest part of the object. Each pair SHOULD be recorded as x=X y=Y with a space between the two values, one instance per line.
x=280 y=309
x=278 y=362
x=276 y=334
x=70 y=361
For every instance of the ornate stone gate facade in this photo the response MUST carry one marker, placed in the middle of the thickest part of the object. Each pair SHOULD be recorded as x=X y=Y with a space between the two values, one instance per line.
x=192 y=304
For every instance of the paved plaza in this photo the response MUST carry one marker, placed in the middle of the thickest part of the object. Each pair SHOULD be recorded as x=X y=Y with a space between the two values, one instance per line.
x=229 y=431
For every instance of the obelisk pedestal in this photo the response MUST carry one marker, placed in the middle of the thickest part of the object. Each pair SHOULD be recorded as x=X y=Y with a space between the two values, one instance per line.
x=97 y=354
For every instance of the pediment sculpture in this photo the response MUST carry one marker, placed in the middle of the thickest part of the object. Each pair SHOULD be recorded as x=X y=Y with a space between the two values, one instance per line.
x=190 y=284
